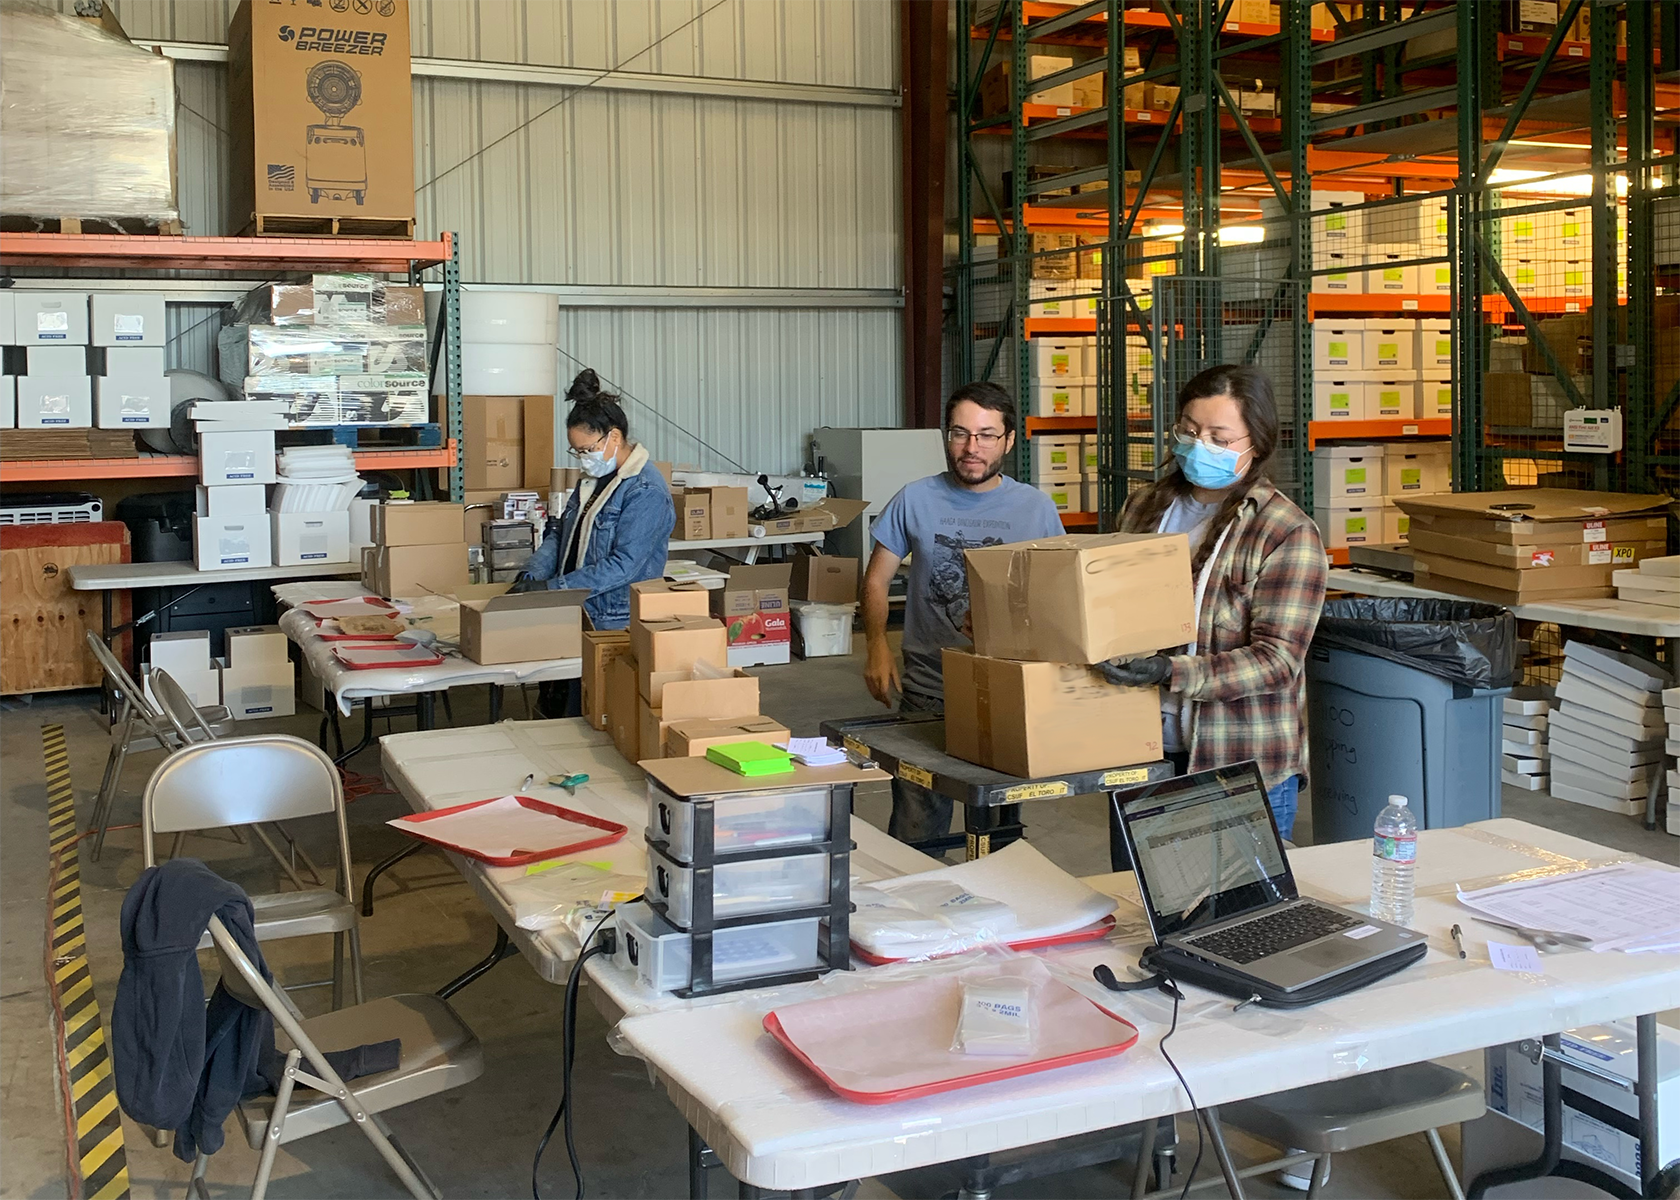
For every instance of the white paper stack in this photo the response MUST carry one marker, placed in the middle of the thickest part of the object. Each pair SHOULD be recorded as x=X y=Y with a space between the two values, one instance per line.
x=1526 y=761
x=1654 y=584
x=1671 y=713
x=1606 y=737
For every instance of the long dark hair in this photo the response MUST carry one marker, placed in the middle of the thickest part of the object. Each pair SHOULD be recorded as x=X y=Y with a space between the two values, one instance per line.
x=592 y=409
x=1251 y=388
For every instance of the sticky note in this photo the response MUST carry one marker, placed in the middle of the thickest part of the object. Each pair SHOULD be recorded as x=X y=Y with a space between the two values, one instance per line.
x=1515 y=958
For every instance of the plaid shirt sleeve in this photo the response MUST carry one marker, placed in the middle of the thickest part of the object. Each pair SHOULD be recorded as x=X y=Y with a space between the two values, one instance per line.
x=1254 y=643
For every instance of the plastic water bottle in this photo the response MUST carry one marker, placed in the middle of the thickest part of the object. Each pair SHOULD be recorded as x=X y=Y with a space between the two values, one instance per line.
x=1393 y=862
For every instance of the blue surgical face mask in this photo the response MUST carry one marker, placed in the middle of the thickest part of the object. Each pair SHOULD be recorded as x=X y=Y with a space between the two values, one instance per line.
x=1208 y=466
x=596 y=463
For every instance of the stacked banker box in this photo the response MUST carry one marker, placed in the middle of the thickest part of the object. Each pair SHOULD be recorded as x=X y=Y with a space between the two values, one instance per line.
x=418 y=548
x=1381 y=368
x=1607 y=734
x=1525 y=751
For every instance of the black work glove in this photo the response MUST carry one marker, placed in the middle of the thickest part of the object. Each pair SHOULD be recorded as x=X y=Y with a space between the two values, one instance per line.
x=526 y=584
x=1136 y=672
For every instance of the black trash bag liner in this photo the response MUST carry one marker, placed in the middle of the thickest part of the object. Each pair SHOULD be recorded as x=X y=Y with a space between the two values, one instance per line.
x=1461 y=641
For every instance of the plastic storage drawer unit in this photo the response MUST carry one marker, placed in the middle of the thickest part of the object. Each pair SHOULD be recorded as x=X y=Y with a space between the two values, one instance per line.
x=740 y=889
x=660 y=954
x=740 y=822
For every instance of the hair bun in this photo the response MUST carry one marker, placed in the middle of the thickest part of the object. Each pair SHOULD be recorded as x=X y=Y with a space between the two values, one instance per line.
x=585 y=385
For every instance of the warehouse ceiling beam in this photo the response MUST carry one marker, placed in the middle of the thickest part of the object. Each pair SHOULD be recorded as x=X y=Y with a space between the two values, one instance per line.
x=537 y=75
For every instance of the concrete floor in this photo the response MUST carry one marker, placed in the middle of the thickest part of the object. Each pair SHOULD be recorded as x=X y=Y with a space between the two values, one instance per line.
x=478 y=1140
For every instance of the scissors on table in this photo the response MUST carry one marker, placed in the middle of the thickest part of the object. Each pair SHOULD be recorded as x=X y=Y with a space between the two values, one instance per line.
x=1546 y=941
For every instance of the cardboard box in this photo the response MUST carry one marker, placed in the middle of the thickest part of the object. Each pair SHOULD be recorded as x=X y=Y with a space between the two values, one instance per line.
x=1055 y=457
x=255 y=690
x=1388 y=273
x=1339 y=400
x=824 y=579
x=1053 y=398
x=1068 y=494
x=224 y=542
x=134 y=392
x=49 y=319
x=1392 y=399
x=1529 y=516
x=658 y=599
x=823 y=517
x=241 y=456
x=415 y=570
x=254 y=645
x=1512 y=584
x=1435 y=398
x=1041 y=718
x=1338 y=348
x=694 y=516
x=299 y=538
x=622 y=717
x=1507 y=399
x=1353 y=525
x=1390 y=347
x=1349 y=474
x=690 y=739
x=56 y=402
x=493 y=451
x=600 y=647
x=526 y=628
x=1537 y=556
x=426 y=523
x=1347 y=274
x=753 y=604
x=1055 y=266
x=1416 y=470
x=1059 y=360
x=690 y=699
x=127 y=319
x=1055 y=599
x=668 y=649
x=231 y=500
x=321 y=114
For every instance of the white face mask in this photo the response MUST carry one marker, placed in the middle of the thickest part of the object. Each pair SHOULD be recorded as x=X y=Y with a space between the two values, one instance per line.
x=597 y=463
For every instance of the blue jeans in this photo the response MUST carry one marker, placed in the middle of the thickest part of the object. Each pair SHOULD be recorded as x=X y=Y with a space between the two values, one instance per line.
x=1284 y=799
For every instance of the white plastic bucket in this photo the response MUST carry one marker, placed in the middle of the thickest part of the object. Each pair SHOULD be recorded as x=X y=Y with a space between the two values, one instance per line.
x=825 y=630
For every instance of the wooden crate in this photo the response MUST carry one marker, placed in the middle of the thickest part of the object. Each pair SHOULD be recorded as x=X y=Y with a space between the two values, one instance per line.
x=45 y=623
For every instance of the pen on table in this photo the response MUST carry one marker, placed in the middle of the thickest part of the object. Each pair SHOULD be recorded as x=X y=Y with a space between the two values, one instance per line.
x=1458 y=940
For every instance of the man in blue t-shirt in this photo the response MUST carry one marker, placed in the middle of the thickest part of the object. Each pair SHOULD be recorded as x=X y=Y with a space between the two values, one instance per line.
x=932 y=522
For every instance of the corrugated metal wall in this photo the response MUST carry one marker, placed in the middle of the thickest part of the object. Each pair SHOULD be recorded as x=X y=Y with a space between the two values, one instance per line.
x=592 y=187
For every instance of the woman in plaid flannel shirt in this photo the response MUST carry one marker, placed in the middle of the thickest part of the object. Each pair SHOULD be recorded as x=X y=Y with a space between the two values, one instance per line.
x=1259 y=567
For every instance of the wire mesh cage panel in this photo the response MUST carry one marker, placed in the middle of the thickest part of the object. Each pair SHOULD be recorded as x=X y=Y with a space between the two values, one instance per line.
x=1200 y=323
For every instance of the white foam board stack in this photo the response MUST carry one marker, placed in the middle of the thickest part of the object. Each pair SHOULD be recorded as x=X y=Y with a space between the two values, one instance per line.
x=1654 y=584
x=1606 y=737
x=1671 y=756
x=1525 y=760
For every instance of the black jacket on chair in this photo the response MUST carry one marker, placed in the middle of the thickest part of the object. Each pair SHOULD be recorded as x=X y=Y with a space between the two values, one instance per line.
x=179 y=1064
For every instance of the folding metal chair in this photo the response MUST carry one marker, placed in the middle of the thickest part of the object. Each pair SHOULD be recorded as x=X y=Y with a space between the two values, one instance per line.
x=140 y=728
x=439 y=1052
x=265 y=778
x=191 y=726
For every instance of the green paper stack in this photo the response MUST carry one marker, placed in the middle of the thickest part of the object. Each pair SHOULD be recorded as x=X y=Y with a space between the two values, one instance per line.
x=752 y=759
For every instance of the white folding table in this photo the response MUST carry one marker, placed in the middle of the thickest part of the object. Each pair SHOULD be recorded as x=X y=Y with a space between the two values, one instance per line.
x=776 y=1128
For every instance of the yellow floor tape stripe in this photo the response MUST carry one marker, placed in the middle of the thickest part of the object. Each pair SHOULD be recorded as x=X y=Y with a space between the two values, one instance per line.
x=102 y=1161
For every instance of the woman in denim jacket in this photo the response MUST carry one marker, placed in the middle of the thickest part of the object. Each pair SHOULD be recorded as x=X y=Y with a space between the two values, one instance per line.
x=617 y=525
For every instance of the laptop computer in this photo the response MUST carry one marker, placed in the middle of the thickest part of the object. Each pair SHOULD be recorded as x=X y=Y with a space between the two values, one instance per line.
x=1216 y=887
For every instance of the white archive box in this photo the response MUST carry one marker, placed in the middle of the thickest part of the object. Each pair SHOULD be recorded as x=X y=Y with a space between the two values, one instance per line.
x=1576 y=279
x=8 y=401
x=1434 y=346
x=49 y=319
x=1344 y=475
x=1390 y=346
x=1435 y=279
x=223 y=542
x=1391 y=273
x=1396 y=525
x=185 y=656
x=1358 y=525
x=1093 y=494
x=231 y=500
x=1055 y=457
x=1341 y=399
x=54 y=402
x=1527 y=274
x=1062 y=300
x=56 y=362
x=1088 y=455
x=1067 y=495
x=1338 y=347
x=1345 y=272
x=1059 y=359
x=1056 y=397
x=133 y=393
x=128 y=319
x=1416 y=469
x=1435 y=397
x=236 y=456
x=254 y=645
x=300 y=537
x=253 y=691
x=1332 y=227
x=1387 y=399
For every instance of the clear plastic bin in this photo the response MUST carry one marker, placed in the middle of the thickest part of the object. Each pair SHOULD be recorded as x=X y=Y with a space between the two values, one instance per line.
x=659 y=953
x=740 y=889
x=743 y=821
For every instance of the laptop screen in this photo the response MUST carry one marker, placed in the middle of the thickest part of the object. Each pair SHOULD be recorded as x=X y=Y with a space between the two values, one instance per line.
x=1205 y=848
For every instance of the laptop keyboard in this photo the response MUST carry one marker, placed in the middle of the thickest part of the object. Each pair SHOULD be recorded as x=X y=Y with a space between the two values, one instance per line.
x=1272 y=933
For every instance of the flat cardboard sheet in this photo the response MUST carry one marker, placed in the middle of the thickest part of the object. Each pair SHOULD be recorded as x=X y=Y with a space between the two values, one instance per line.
x=696 y=777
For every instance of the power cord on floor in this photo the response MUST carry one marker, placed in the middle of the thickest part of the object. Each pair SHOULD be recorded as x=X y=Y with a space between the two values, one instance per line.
x=568 y=1051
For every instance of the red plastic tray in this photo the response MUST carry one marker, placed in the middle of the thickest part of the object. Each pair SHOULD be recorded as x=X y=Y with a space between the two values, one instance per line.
x=1092 y=933
x=612 y=831
x=412 y=656
x=773 y=1027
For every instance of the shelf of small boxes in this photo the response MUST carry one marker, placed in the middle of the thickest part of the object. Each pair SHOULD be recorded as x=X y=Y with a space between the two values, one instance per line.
x=1356 y=484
